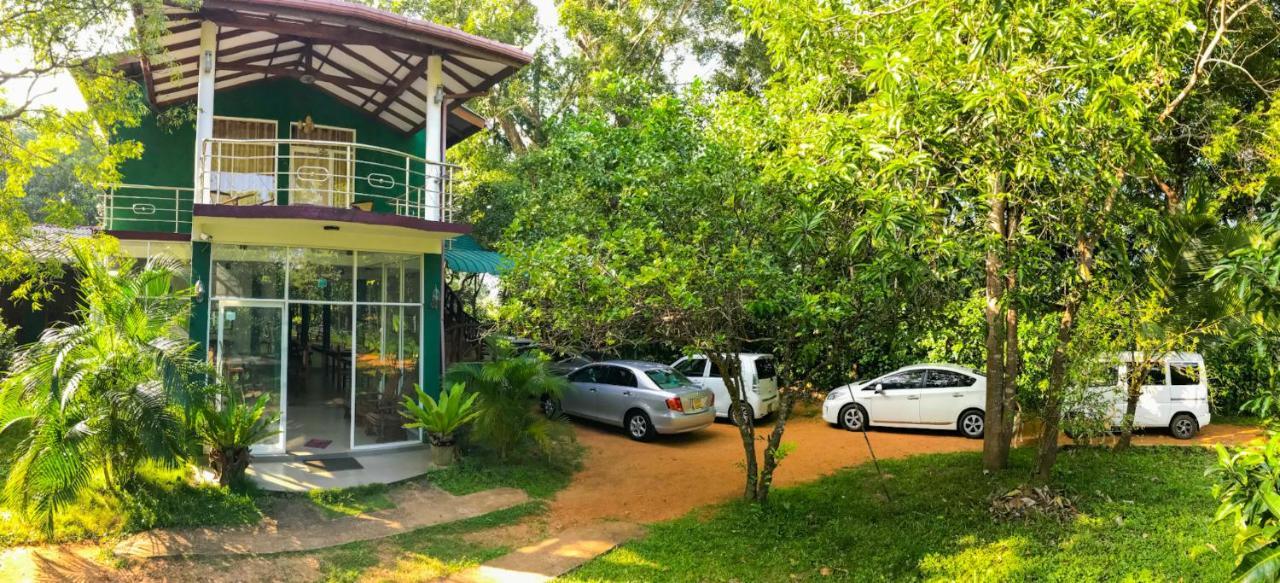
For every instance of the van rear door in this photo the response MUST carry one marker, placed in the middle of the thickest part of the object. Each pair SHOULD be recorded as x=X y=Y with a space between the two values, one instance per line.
x=766 y=378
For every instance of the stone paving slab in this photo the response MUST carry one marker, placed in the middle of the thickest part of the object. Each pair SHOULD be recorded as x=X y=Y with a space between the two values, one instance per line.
x=415 y=507
x=553 y=557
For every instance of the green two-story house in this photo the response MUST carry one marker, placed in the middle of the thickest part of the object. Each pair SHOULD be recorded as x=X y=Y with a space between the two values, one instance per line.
x=296 y=156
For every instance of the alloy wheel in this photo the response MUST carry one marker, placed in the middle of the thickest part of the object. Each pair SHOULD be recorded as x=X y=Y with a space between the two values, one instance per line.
x=971 y=425
x=853 y=419
x=639 y=426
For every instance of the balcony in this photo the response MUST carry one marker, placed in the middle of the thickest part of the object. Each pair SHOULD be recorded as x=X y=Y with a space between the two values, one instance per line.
x=292 y=173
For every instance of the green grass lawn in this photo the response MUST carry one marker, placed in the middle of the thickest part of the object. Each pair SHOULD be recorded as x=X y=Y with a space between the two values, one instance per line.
x=1144 y=516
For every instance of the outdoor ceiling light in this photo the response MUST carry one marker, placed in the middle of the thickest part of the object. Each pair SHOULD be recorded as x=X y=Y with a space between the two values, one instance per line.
x=208 y=62
x=440 y=94
x=307 y=79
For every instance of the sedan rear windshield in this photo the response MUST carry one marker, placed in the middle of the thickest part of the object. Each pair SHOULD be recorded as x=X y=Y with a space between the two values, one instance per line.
x=765 y=368
x=668 y=378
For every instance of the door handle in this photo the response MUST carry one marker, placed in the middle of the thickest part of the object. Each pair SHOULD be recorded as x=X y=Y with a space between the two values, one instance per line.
x=626 y=393
x=915 y=398
x=592 y=389
x=957 y=395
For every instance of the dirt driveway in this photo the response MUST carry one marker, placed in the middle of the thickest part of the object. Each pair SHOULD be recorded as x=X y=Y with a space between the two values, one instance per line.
x=646 y=482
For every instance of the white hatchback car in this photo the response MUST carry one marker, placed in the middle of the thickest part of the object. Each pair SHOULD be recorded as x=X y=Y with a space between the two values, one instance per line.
x=931 y=396
x=759 y=376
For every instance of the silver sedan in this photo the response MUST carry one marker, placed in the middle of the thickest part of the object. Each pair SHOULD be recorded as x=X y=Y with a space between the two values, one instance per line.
x=645 y=398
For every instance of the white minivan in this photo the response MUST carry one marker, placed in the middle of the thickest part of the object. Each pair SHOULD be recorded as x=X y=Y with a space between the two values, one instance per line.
x=1175 y=394
x=759 y=376
x=926 y=396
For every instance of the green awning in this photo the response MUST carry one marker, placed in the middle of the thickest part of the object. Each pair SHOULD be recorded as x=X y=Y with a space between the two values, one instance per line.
x=464 y=254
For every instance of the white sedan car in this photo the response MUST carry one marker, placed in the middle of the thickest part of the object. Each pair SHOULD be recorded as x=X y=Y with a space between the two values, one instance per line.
x=930 y=396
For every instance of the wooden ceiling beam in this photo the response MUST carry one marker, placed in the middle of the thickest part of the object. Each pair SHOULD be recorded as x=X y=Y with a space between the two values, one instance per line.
x=195 y=42
x=409 y=79
x=298 y=74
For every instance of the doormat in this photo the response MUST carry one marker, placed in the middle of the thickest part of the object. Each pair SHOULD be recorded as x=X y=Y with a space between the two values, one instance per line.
x=317 y=443
x=335 y=465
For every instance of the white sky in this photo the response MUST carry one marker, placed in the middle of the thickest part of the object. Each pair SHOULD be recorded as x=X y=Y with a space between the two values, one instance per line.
x=61 y=91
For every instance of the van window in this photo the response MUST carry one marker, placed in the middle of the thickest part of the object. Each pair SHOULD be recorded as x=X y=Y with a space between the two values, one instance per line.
x=1184 y=373
x=715 y=370
x=1155 y=375
x=765 y=368
x=694 y=367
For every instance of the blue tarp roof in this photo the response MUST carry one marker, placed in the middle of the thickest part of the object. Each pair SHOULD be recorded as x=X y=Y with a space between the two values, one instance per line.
x=465 y=254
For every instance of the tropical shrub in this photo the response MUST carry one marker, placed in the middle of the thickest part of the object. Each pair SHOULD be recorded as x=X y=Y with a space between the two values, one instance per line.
x=230 y=430
x=1248 y=499
x=509 y=386
x=89 y=402
x=442 y=418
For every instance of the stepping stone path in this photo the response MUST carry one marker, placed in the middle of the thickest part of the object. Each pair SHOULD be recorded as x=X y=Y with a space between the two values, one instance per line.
x=309 y=529
x=553 y=557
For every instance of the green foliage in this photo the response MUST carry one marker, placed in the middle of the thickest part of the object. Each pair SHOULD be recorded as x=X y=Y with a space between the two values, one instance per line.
x=441 y=419
x=229 y=428
x=1142 y=518
x=508 y=387
x=1250 y=502
x=99 y=397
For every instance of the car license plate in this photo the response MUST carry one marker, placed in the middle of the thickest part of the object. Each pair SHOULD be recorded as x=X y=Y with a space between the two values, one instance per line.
x=699 y=403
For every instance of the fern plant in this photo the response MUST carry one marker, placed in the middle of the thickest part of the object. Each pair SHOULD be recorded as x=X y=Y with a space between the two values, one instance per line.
x=440 y=419
x=229 y=431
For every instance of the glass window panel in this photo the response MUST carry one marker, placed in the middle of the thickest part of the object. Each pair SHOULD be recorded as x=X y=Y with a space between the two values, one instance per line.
x=248 y=353
x=320 y=274
x=412 y=278
x=380 y=277
x=1184 y=373
x=246 y=271
x=386 y=371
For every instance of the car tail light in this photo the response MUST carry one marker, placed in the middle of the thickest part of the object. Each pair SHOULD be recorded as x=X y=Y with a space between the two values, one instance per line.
x=675 y=405
x=755 y=383
x=711 y=400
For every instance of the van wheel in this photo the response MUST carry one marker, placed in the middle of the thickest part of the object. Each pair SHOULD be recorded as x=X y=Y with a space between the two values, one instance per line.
x=741 y=414
x=971 y=424
x=853 y=417
x=1184 y=426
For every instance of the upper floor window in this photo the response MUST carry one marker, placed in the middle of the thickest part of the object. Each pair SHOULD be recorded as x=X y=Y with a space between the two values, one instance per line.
x=242 y=174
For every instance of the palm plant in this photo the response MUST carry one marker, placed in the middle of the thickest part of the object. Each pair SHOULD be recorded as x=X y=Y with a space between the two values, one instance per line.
x=509 y=385
x=94 y=399
x=443 y=418
x=230 y=430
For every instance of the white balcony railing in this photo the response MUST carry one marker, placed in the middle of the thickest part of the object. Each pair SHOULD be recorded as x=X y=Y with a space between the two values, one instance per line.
x=152 y=209
x=332 y=174
x=293 y=172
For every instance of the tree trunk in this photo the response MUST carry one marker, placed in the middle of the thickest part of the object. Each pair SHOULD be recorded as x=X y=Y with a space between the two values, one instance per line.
x=1134 y=385
x=994 y=454
x=1012 y=349
x=1048 y=453
x=771 y=450
x=730 y=365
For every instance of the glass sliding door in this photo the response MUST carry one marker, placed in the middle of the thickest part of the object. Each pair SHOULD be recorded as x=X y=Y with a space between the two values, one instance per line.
x=250 y=355
x=386 y=371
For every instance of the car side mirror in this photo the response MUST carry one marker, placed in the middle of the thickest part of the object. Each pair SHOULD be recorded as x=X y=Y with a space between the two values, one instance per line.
x=879 y=389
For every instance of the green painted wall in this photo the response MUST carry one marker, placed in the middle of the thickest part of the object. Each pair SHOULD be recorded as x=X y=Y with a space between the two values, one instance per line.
x=168 y=158
x=432 y=324
x=201 y=271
